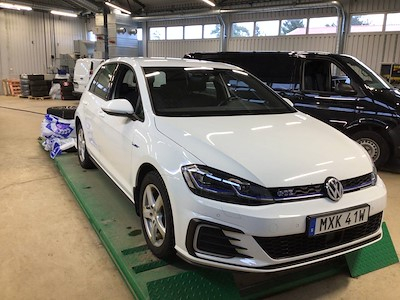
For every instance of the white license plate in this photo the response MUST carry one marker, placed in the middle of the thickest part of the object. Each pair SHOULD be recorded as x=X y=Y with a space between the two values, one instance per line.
x=330 y=222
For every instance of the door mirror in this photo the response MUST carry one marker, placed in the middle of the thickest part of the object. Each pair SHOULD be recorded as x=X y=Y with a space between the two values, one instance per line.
x=345 y=89
x=118 y=107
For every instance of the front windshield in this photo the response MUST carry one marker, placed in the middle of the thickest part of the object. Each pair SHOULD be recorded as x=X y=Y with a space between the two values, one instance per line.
x=369 y=77
x=177 y=91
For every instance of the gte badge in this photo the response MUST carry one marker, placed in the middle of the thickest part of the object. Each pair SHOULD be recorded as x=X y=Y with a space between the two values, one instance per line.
x=334 y=188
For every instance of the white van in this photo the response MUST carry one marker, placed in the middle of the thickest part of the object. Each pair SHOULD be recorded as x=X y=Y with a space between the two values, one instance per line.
x=84 y=69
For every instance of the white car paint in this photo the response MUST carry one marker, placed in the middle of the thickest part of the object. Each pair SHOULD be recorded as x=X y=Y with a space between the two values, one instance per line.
x=272 y=150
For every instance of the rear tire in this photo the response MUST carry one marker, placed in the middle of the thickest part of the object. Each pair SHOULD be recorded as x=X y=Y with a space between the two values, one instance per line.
x=376 y=146
x=156 y=216
x=83 y=155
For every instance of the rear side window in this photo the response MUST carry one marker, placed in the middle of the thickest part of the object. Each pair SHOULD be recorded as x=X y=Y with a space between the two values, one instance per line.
x=279 y=71
x=325 y=77
x=101 y=83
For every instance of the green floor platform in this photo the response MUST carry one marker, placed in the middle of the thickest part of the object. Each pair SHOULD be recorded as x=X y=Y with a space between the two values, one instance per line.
x=113 y=218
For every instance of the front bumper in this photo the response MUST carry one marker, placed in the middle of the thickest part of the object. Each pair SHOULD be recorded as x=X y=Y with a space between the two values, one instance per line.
x=271 y=237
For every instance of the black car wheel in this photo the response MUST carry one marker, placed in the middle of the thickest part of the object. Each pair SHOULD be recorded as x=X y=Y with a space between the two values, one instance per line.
x=83 y=155
x=156 y=216
x=376 y=146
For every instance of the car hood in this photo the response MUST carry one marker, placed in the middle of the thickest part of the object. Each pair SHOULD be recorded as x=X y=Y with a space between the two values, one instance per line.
x=272 y=150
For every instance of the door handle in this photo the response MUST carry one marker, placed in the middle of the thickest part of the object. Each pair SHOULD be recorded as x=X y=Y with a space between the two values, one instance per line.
x=85 y=102
x=101 y=114
x=360 y=107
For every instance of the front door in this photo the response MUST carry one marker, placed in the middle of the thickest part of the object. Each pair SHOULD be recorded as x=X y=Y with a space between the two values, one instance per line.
x=327 y=93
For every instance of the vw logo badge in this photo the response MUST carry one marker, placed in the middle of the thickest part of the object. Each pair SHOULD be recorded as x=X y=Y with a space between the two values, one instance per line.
x=334 y=188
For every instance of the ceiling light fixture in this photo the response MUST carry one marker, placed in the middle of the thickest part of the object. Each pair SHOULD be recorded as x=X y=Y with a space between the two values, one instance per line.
x=118 y=8
x=62 y=13
x=209 y=2
x=14 y=6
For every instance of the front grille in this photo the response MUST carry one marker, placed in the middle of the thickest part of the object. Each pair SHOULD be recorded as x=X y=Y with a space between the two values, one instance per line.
x=299 y=244
x=357 y=182
x=318 y=190
x=297 y=192
x=212 y=240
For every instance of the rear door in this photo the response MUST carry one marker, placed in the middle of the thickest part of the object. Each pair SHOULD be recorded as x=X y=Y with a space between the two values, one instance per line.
x=327 y=93
x=97 y=94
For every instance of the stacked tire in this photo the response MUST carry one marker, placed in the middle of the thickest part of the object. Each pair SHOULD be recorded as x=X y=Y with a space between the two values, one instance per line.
x=66 y=90
x=65 y=112
x=38 y=86
x=25 y=90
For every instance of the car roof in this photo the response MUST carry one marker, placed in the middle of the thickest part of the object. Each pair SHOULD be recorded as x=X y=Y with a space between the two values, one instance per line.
x=301 y=54
x=172 y=62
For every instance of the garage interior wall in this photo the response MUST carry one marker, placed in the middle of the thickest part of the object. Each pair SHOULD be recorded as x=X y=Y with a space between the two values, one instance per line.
x=373 y=48
x=29 y=39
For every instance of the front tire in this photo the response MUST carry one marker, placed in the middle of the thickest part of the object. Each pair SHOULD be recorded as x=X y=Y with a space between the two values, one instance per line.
x=156 y=216
x=84 y=157
x=376 y=146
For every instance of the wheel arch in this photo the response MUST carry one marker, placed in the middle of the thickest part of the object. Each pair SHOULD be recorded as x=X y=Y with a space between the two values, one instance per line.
x=379 y=127
x=141 y=173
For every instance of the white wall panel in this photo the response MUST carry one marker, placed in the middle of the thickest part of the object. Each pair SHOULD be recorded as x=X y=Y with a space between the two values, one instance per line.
x=374 y=48
x=29 y=39
x=180 y=47
x=66 y=31
x=284 y=43
x=370 y=6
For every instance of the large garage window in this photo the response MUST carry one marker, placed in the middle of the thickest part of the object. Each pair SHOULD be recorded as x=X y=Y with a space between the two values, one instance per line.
x=139 y=34
x=293 y=26
x=242 y=29
x=157 y=33
x=175 y=33
x=193 y=32
x=367 y=23
x=393 y=22
x=212 y=31
x=267 y=28
x=324 y=25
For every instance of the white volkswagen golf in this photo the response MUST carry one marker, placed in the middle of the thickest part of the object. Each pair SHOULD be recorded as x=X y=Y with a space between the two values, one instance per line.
x=222 y=170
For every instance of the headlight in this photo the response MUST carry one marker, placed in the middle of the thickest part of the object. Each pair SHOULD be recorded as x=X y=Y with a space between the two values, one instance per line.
x=210 y=183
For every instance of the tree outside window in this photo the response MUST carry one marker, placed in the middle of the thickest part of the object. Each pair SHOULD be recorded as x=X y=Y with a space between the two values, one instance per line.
x=243 y=29
x=212 y=31
x=293 y=26
x=367 y=23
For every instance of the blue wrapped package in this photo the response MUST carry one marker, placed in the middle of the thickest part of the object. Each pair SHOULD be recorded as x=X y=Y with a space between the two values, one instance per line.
x=59 y=134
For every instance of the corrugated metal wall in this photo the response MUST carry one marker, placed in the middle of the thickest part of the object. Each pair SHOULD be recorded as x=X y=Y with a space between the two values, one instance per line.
x=373 y=6
x=372 y=48
x=281 y=43
x=180 y=47
x=29 y=39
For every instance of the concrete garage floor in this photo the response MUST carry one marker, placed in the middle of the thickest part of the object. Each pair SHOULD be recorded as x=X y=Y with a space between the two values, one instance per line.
x=48 y=249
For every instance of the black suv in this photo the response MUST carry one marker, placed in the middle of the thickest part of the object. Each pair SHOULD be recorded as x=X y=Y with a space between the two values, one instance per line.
x=335 y=88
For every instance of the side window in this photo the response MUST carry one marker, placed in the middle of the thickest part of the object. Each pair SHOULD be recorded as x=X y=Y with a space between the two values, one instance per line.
x=326 y=77
x=280 y=72
x=101 y=83
x=126 y=87
x=317 y=76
